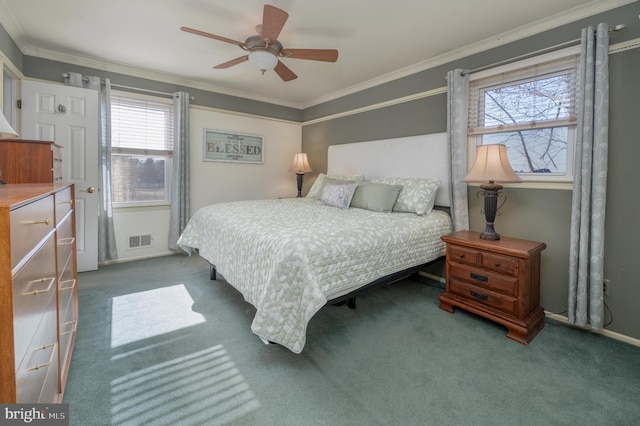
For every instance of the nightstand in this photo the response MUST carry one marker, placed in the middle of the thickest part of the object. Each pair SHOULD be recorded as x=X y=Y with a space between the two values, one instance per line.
x=498 y=280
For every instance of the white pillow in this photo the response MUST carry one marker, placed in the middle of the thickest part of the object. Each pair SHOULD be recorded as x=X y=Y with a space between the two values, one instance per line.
x=338 y=195
x=417 y=195
x=318 y=185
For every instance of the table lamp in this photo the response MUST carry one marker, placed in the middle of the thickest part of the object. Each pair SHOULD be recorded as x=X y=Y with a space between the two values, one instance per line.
x=300 y=166
x=490 y=166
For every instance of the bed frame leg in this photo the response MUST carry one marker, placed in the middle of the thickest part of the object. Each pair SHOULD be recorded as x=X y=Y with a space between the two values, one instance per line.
x=212 y=272
x=351 y=302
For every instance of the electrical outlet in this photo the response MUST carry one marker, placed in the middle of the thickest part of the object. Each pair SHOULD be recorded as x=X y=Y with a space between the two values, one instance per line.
x=606 y=287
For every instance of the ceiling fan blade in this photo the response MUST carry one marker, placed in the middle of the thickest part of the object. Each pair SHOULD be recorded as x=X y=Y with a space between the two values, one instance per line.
x=213 y=36
x=284 y=72
x=326 y=55
x=273 y=20
x=232 y=62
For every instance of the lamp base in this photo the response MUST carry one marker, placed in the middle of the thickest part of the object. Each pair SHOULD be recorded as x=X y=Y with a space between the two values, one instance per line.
x=299 y=181
x=491 y=192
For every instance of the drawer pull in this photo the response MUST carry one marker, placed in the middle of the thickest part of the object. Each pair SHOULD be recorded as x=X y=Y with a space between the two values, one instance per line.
x=497 y=265
x=66 y=241
x=70 y=202
x=461 y=256
x=479 y=277
x=73 y=284
x=41 y=280
x=478 y=295
x=73 y=330
x=46 y=364
x=35 y=222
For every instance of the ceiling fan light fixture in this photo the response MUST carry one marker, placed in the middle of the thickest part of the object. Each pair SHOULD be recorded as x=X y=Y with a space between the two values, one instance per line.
x=263 y=60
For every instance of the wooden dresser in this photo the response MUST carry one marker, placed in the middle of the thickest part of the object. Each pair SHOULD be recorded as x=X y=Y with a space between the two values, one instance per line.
x=38 y=291
x=499 y=280
x=30 y=161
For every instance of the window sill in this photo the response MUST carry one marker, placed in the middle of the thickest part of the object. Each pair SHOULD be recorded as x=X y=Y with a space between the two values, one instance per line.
x=564 y=186
x=141 y=206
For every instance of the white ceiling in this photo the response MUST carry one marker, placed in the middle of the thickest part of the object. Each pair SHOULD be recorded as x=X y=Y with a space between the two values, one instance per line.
x=377 y=40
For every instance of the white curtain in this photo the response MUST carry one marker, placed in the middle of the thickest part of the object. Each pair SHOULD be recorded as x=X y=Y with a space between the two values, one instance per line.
x=586 y=257
x=106 y=234
x=180 y=185
x=457 y=123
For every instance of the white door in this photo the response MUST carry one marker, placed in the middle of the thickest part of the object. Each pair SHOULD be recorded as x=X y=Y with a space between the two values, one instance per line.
x=69 y=117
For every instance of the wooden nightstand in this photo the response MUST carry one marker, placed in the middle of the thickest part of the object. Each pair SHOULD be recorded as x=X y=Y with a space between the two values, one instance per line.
x=499 y=280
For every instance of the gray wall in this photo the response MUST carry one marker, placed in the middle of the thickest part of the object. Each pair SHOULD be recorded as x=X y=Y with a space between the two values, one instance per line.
x=535 y=214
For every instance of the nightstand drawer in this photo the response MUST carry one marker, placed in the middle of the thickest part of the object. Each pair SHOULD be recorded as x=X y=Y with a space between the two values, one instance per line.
x=463 y=255
x=483 y=296
x=499 y=263
x=485 y=279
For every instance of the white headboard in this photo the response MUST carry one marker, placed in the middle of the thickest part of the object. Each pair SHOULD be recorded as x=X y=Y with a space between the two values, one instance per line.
x=423 y=156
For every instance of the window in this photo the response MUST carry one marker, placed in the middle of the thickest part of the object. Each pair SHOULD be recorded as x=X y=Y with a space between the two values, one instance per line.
x=142 y=148
x=531 y=109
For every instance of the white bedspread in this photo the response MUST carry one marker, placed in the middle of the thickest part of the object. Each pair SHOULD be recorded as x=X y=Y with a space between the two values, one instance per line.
x=289 y=256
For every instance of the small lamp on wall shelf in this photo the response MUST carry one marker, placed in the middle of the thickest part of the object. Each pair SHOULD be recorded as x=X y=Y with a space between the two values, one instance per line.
x=490 y=166
x=6 y=132
x=300 y=166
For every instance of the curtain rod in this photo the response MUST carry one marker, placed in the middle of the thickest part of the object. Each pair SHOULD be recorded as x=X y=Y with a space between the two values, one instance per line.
x=523 y=56
x=138 y=89
x=617 y=28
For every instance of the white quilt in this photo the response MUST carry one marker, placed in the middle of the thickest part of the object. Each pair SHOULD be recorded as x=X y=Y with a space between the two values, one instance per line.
x=289 y=256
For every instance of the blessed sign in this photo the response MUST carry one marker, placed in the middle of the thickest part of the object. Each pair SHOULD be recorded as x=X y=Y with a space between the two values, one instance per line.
x=233 y=147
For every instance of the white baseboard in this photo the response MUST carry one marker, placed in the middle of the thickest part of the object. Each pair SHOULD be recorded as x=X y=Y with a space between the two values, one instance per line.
x=131 y=259
x=607 y=333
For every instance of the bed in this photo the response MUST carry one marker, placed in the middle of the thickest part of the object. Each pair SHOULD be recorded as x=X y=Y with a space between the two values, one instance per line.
x=290 y=257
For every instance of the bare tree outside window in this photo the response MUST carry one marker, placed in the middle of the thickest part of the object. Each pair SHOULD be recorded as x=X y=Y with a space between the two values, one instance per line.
x=532 y=113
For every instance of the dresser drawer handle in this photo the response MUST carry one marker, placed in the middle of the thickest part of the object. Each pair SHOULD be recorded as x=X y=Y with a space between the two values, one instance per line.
x=41 y=280
x=479 y=277
x=35 y=222
x=73 y=284
x=46 y=364
x=70 y=202
x=66 y=241
x=496 y=265
x=478 y=295
x=461 y=256
x=73 y=330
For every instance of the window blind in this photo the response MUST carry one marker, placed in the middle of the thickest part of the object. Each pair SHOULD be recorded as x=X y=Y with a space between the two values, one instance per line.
x=141 y=124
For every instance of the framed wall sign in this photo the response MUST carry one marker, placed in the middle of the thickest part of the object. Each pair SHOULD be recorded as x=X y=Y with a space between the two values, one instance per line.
x=233 y=147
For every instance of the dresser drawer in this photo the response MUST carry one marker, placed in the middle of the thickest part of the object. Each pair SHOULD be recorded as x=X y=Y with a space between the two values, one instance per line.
x=485 y=279
x=499 y=263
x=29 y=225
x=63 y=203
x=66 y=246
x=500 y=302
x=463 y=255
x=68 y=328
x=40 y=358
x=34 y=289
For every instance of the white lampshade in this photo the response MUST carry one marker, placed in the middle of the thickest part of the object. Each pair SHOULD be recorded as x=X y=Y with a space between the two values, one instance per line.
x=6 y=131
x=491 y=164
x=263 y=60
x=300 y=164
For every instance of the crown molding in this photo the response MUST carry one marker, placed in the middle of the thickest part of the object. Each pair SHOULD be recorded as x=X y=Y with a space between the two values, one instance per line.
x=593 y=8
x=147 y=74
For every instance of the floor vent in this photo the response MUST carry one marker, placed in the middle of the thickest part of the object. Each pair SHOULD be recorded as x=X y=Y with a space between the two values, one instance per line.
x=139 y=241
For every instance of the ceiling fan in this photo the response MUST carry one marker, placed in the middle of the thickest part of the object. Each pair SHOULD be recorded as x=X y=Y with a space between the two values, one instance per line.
x=265 y=49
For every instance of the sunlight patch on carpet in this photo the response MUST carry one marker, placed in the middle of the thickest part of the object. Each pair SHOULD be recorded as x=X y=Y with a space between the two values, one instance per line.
x=139 y=316
x=204 y=387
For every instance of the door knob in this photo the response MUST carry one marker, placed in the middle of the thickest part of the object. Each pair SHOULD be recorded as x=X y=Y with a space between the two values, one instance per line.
x=90 y=190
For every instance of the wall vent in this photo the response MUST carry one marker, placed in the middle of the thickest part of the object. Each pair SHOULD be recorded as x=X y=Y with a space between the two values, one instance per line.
x=139 y=241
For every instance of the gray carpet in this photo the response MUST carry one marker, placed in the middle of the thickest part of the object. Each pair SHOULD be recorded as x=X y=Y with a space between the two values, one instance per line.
x=160 y=344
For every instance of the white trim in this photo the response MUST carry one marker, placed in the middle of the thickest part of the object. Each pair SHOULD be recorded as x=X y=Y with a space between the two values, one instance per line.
x=580 y=12
x=612 y=334
x=396 y=101
x=572 y=15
